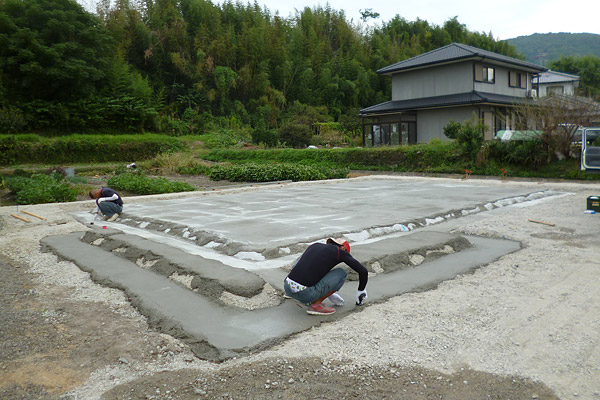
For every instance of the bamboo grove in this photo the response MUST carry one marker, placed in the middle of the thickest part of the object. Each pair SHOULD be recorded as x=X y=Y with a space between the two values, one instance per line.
x=181 y=66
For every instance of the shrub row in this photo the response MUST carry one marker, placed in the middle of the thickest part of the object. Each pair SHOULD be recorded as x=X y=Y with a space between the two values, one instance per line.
x=415 y=158
x=23 y=149
x=138 y=183
x=434 y=157
x=252 y=172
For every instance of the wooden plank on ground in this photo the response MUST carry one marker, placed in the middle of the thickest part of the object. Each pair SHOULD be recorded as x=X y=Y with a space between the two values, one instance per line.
x=541 y=222
x=21 y=218
x=33 y=215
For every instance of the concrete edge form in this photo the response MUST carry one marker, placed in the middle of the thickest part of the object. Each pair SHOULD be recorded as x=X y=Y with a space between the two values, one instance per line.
x=217 y=332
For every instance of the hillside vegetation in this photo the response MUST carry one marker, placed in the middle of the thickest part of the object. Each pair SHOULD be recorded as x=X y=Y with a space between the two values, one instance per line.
x=543 y=48
x=573 y=53
x=186 y=66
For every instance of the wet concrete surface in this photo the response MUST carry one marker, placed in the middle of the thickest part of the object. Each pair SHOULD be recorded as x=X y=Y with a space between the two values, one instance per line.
x=268 y=220
x=396 y=228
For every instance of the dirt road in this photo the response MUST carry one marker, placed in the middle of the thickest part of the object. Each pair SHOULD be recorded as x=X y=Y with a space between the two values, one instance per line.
x=524 y=327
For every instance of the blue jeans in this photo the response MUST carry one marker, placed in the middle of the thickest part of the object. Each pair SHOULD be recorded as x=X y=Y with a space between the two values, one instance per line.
x=108 y=208
x=332 y=282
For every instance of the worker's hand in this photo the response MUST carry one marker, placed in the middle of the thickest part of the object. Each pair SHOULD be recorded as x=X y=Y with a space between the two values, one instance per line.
x=361 y=296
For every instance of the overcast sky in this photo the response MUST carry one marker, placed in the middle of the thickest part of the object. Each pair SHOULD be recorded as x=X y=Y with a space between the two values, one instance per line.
x=506 y=19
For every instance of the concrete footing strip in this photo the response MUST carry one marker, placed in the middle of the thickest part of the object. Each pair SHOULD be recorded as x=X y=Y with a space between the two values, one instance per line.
x=218 y=332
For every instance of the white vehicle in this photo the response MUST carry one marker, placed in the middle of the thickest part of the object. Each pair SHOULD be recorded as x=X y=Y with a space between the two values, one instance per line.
x=590 y=149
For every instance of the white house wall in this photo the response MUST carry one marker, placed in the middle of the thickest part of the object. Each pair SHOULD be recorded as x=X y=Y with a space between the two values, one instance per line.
x=430 y=123
x=452 y=79
x=500 y=86
x=568 y=87
x=435 y=81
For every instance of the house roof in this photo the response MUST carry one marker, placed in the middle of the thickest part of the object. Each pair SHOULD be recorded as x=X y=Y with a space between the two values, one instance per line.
x=457 y=52
x=554 y=77
x=572 y=102
x=451 y=100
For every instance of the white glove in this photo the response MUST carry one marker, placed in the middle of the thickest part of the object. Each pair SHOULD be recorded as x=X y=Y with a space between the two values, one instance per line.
x=361 y=296
x=336 y=299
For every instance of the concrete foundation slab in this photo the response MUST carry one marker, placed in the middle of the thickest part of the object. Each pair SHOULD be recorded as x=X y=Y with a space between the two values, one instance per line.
x=242 y=242
x=270 y=222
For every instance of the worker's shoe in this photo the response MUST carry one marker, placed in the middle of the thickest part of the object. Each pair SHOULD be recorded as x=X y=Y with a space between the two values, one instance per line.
x=113 y=217
x=319 y=309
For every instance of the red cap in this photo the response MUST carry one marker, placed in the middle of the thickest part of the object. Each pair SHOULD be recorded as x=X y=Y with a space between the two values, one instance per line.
x=340 y=242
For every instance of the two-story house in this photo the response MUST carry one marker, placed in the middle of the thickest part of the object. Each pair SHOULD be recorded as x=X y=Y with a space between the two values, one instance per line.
x=454 y=82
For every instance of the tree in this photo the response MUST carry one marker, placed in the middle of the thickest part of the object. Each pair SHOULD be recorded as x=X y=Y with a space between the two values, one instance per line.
x=51 y=50
x=60 y=64
x=368 y=13
x=558 y=117
x=225 y=80
x=588 y=70
x=468 y=135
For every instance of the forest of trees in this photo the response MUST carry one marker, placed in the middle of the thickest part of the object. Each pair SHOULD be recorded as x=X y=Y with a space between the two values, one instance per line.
x=181 y=66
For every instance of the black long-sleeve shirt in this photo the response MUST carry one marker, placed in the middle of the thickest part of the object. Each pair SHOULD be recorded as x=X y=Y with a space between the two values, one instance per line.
x=319 y=259
x=110 y=193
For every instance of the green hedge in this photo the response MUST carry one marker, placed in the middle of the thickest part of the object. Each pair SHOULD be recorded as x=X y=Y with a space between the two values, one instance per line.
x=198 y=169
x=414 y=158
x=252 y=172
x=27 y=149
x=138 y=183
x=516 y=159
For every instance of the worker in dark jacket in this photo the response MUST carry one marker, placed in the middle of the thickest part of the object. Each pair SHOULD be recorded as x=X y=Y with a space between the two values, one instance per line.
x=313 y=278
x=108 y=202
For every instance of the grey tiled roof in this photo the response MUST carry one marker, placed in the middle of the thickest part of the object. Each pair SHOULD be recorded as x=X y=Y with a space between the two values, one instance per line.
x=554 y=77
x=572 y=102
x=460 y=99
x=452 y=53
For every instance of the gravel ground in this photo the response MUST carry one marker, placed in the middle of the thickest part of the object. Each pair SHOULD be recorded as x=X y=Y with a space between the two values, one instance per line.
x=524 y=327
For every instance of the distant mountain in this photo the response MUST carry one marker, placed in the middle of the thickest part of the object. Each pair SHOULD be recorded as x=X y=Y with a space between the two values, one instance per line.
x=541 y=48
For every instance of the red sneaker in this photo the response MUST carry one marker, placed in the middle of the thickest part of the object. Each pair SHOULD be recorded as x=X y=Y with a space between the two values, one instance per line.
x=319 y=309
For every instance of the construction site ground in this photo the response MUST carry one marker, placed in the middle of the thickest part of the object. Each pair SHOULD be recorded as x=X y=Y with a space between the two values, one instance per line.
x=478 y=289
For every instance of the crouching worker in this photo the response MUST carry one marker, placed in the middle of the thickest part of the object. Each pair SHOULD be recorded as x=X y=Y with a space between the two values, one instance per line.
x=108 y=202
x=313 y=278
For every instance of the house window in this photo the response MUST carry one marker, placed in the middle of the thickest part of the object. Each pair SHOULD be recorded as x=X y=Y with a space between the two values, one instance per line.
x=408 y=132
x=390 y=130
x=555 y=90
x=384 y=135
x=376 y=135
x=395 y=135
x=517 y=79
x=484 y=73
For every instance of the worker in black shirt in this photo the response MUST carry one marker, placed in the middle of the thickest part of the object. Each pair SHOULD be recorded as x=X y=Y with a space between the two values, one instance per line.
x=108 y=203
x=313 y=279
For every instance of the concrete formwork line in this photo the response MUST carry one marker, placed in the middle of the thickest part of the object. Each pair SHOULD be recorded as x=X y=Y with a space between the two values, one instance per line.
x=216 y=332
